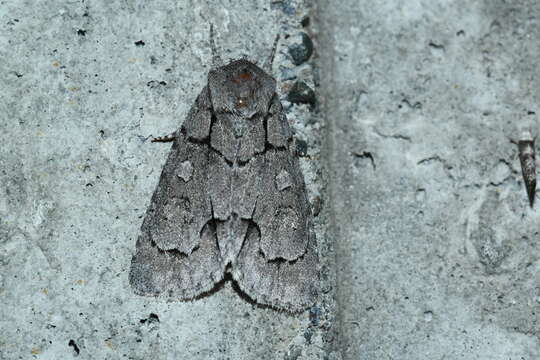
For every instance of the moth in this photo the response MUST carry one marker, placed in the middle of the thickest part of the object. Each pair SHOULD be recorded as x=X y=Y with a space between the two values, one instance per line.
x=527 y=158
x=231 y=200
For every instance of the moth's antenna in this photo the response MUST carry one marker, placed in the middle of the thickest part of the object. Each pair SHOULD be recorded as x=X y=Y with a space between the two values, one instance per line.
x=216 y=59
x=270 y=61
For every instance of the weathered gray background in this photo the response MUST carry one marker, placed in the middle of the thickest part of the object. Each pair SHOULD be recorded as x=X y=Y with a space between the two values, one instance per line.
x=437 y=253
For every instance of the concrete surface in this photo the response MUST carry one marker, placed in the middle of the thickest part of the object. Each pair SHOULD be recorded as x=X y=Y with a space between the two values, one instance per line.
x=436 y=250
x=438 y=253
x=84 y=86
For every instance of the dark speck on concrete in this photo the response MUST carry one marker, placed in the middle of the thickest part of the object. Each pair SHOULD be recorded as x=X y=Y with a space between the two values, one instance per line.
x=139 y=43
x=72 y=344
x=152 y=319
x=154 y=83
x=308 y=334
x=81 y=32
x=301 y=93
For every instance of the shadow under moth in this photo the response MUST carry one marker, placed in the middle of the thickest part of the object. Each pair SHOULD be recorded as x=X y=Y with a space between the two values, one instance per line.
x=231 y=200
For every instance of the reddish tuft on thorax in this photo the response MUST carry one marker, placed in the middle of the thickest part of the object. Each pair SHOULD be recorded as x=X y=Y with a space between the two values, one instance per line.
x=243 y=76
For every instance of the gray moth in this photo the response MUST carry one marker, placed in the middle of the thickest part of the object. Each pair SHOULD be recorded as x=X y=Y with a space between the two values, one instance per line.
x=231 y=200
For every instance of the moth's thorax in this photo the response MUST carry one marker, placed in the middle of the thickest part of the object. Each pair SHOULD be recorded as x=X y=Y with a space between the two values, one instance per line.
x=242 y=88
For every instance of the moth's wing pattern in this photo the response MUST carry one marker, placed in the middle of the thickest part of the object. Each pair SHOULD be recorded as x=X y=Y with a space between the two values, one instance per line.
x=176 y=253
x=289 y=285
x=282 y=211
x=172 y=274
x=231 y=192
x=278 y=263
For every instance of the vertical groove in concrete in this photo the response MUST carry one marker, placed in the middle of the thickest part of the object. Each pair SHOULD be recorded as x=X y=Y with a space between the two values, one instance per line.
x=327 y=92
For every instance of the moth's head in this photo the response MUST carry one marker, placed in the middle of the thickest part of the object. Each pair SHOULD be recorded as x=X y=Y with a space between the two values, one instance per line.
x=241 y=87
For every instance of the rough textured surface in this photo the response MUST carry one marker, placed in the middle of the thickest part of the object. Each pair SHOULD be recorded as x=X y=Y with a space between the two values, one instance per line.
x=437 y=247
x=438 y=250
x=84 y=87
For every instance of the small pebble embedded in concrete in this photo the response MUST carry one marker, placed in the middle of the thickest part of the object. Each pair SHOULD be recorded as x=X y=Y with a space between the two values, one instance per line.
x=301 y=50
x=301 y=147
